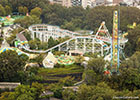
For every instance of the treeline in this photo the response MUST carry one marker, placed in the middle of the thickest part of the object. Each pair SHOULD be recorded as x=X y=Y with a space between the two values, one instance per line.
x=75 y=18
x=30 y=4
x=78 y=18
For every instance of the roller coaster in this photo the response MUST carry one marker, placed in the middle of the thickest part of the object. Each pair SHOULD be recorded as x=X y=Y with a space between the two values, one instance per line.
x=100 y=42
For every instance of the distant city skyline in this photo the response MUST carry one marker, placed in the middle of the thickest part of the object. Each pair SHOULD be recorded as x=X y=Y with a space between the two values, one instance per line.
x=93 y=3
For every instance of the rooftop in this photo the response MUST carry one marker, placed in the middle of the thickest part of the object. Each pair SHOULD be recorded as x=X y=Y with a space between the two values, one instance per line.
x=21 y=37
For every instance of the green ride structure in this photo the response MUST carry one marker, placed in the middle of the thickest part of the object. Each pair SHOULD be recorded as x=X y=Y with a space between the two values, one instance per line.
x=115 y=48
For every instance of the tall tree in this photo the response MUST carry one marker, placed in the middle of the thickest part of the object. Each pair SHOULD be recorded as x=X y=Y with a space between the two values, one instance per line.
x=52 y=42
x=10 y=67
x=8 y=10
x=2 y=10
x=20 y=9
x=36 y=11
x=97 y=64
x=24 y=92
x=28 y=20
x=25 y=10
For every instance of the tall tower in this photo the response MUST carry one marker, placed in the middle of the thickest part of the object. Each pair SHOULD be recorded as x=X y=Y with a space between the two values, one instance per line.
x=115 y=44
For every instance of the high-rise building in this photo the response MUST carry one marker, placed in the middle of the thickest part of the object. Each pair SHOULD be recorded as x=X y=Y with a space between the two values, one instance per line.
x=56 y=1
x=76 y=2
x=90 y=3
x=99 y=2
x=116 y=2
x=67 y=3
x=128 y=2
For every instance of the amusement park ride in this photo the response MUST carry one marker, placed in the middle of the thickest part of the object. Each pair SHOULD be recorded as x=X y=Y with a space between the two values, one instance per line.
x=115 y=49
x=102 y=42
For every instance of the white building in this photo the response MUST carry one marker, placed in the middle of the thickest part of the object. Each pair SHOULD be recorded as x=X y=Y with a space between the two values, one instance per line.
x=88 y=3
x=44 y=32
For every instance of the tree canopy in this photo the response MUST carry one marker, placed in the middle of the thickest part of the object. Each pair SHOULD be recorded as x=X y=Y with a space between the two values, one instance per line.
x=10 y=64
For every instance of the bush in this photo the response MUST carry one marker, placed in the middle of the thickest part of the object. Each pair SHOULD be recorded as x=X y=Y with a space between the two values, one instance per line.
x=59 y=66
x=58 y=92
x=68 y=94
x=67 y=81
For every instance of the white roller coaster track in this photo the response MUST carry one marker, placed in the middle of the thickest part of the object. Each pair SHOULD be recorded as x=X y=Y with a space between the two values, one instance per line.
x=98 y=39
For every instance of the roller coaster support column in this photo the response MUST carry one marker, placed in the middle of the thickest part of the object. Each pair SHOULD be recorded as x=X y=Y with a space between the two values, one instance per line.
x=33 y=35
x=67 y=46
x=93 y=45
x=59 y=48
x=102 y=51
x=76 y=44
x=84 y=46
x=40 y=36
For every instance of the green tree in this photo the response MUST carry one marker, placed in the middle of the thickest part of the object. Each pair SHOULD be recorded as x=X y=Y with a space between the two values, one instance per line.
x=27 y=21
x=12 y=38
x=4 y=96
x=91 y=78
x=20 y=9
x=25 y=10
x=132 y=44
x=97 y=64
x=2 y=11
x=8 y=10
x=128 y=79
x=84 y=92
x=34 y=44
x=10 y=67
x=68 y=94
x=36 y=11
x=102 y=92
x=25 y=97
x=138 y=44
x=132 y=62
x=69 y=26
x=51 y=42
x=24 y=92
x=67 y=81
x=99 y=92
x=39 y=89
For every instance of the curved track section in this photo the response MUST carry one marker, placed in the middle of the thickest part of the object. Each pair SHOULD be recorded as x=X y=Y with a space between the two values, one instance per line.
x=93 y=43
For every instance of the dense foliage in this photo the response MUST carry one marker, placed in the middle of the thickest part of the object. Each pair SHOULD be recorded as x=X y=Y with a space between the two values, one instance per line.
x=74 y=18
x=10 y=68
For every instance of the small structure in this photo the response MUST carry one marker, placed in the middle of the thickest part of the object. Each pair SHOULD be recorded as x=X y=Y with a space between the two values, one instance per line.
x=74 y=88
x=76 y=52
x=6 y=49
x=21 y=40
x=49 y=61
x=31 y=65
x=9 y=85
x=13 y=49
